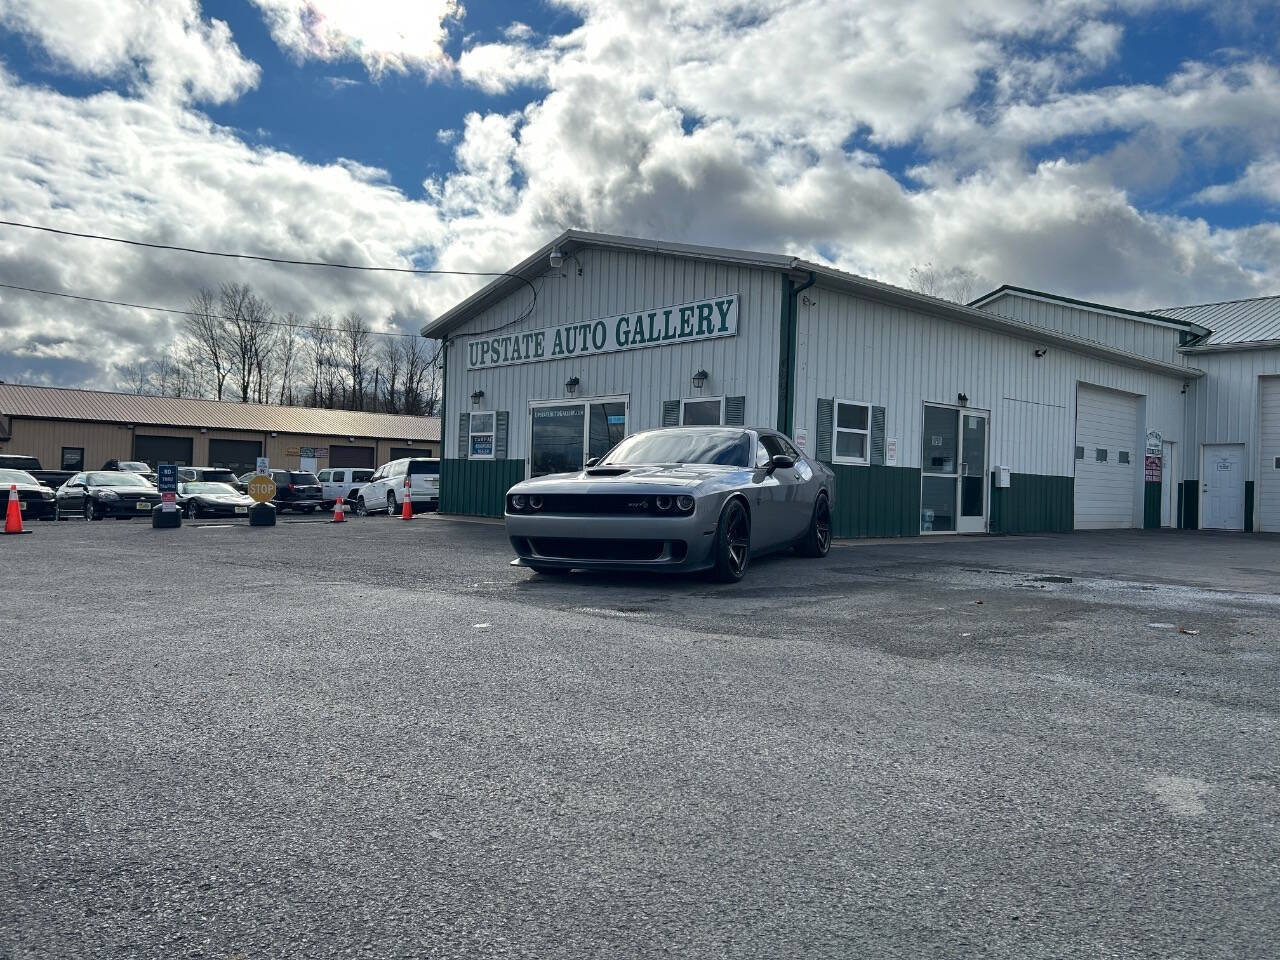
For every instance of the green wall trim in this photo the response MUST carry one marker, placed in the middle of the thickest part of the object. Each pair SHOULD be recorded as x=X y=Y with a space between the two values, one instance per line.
x=1248 y=506
x=1151 y=506
x=1033 y=503
x=1190 y=498
x=787 y=326
x=876 y=501
x=477 y=487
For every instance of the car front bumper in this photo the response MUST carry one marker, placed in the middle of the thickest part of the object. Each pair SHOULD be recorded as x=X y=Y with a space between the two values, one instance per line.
x=125 y=508
x=32 y=509
x=571 y=542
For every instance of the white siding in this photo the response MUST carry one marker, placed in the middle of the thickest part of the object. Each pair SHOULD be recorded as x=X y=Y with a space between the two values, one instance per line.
x=612 y=283
x=1144 y=338
x=1106 y=493
x=1269 y=467
x=898 y=358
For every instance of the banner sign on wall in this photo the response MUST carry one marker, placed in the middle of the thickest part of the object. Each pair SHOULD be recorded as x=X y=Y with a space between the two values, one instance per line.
x=681 y=323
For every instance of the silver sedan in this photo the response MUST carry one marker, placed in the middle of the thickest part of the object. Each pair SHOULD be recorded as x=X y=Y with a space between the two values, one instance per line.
x=679 y=498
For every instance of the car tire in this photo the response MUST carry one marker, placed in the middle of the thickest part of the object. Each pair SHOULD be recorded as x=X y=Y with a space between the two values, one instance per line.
x=91 y=510
x=733 y=543
x=392 y=509
x=308 y=509
x=193 y=511
x=57 y=513
x=817 y=539
x=362 y=508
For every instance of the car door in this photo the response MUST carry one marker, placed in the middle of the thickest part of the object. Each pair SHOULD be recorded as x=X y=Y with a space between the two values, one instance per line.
x=795 y=496
x=71 y=495
x=767 y=530
x=326 y=479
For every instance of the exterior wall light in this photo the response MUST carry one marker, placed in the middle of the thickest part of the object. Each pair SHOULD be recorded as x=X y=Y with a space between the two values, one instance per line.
x=477 y=397
x=557 y=258
x=700 y=380
x=571 y=385
x=1041 y=351
x=963 y=399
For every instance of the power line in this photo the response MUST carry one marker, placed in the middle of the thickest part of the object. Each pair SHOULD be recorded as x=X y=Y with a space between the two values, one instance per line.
x=419 y=271
x=191 y=313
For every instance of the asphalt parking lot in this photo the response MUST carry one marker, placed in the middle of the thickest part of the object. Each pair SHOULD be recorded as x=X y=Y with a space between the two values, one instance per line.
x=381 y=740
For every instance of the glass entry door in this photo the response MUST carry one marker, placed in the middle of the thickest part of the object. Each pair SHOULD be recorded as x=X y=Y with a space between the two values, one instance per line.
x=953 y=480
x=563 y=435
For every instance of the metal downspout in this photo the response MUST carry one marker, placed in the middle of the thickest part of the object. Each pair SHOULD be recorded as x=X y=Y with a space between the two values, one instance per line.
x=787 y=352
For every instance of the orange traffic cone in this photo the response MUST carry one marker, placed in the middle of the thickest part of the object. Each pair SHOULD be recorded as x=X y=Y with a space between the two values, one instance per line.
x=406 y=511
x=339 y=514
x=13 y=515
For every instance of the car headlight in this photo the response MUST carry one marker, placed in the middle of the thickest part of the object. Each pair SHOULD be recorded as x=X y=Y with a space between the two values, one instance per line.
x=535 y=503
x=684 y=503
x=663 y=503
x=107 y=495
x=46 y=494
x=518 y=501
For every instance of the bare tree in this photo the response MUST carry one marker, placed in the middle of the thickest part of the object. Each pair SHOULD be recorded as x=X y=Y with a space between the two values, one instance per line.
x=421 y=388
x=354 y=352
x=288 y=351
x=248 y=338
x=135 y=376
x=208 y=334
x=318 y=356
x=953 y=283
x=390 y=368
x=170 y=378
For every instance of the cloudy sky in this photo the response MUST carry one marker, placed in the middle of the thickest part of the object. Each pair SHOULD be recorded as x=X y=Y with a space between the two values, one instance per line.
x=1118 y=150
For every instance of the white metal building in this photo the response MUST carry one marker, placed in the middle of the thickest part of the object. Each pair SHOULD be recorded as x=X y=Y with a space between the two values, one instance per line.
x=936 y=417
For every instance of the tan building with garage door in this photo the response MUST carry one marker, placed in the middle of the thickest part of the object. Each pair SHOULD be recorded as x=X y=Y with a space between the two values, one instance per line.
x=70 y=429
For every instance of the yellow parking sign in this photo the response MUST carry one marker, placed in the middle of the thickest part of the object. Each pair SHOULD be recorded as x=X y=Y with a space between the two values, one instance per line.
x=262 y=489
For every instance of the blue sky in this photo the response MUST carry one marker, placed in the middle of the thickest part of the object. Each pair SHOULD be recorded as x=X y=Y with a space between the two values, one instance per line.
x=1116 y=150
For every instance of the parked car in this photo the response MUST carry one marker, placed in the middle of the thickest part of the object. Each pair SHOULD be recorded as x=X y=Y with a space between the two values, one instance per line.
x=295 y=490
x=210 y=474
x=342 y=482
x=204 y=498
x=52 y=478
x=35 y=499
x=106 y=493
x=418 y=478
x=131 y=466
x=678 y=498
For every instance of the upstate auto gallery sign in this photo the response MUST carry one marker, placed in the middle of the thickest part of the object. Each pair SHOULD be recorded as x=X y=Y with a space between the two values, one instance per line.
x=682 y=323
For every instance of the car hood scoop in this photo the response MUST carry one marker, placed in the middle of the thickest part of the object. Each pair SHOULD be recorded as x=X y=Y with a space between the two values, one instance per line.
x=607 y=471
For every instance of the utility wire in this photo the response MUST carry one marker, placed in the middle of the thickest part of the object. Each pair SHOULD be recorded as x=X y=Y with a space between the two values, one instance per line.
x=191 y=313
x=282 y=260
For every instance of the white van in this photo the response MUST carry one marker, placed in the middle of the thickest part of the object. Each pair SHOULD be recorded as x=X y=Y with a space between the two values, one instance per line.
x=418 y=478
x=342 y=482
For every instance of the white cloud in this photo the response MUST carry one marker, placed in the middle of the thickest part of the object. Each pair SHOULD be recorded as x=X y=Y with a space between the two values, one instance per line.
x=1260 y=180
x=162 y=47
x=399 y=36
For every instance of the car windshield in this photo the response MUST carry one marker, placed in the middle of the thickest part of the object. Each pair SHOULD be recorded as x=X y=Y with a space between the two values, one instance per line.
x=117 y=480
x=222 y=489
x=15 y=476
x=133 y=466
x=303 y=478
x=219 y=476
x=726 y=448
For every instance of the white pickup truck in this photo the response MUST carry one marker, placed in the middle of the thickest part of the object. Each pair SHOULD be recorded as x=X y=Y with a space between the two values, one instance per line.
x=342 y=482
x=417 y=478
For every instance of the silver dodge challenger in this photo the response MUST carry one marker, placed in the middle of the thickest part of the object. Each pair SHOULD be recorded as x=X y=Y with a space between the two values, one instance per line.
x=679 y=498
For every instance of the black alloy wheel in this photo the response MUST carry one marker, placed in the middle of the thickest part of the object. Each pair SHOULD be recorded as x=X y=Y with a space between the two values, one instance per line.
x=817 y=539
x=733 y=543
x=193 y=510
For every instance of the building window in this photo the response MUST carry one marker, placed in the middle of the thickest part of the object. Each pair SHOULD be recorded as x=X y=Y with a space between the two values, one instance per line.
x=1079 y=453
x=1100 y=454
x=1124 y=456
x=480 y=440
x=702 y=413
x=852 y=432
x=564 y=435
x=73 y=458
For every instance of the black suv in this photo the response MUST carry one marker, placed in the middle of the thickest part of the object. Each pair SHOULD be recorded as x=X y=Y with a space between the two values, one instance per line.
x=295 y=490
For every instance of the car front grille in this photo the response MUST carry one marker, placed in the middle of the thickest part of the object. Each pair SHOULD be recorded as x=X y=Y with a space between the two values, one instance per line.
x=603 y=504
x=583 y=548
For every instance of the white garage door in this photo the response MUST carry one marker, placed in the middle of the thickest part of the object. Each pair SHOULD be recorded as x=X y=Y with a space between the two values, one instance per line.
x=1107 y=455
x=1269 y=478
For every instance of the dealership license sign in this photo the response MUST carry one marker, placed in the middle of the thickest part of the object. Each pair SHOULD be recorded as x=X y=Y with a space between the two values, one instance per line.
x=681 y=323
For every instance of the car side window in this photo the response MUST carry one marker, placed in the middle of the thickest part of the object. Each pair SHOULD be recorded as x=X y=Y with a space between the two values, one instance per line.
x=323 y=476
x=778 y=446
x=377 y=475
x=762 y=454
x=398 y=468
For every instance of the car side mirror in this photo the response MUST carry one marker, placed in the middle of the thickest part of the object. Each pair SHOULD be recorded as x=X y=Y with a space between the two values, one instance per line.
x=781 y=462
x=592 y=462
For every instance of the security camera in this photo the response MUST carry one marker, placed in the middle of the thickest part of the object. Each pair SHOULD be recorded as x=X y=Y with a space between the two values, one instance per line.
x=1041 y=351
x=557 y=258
